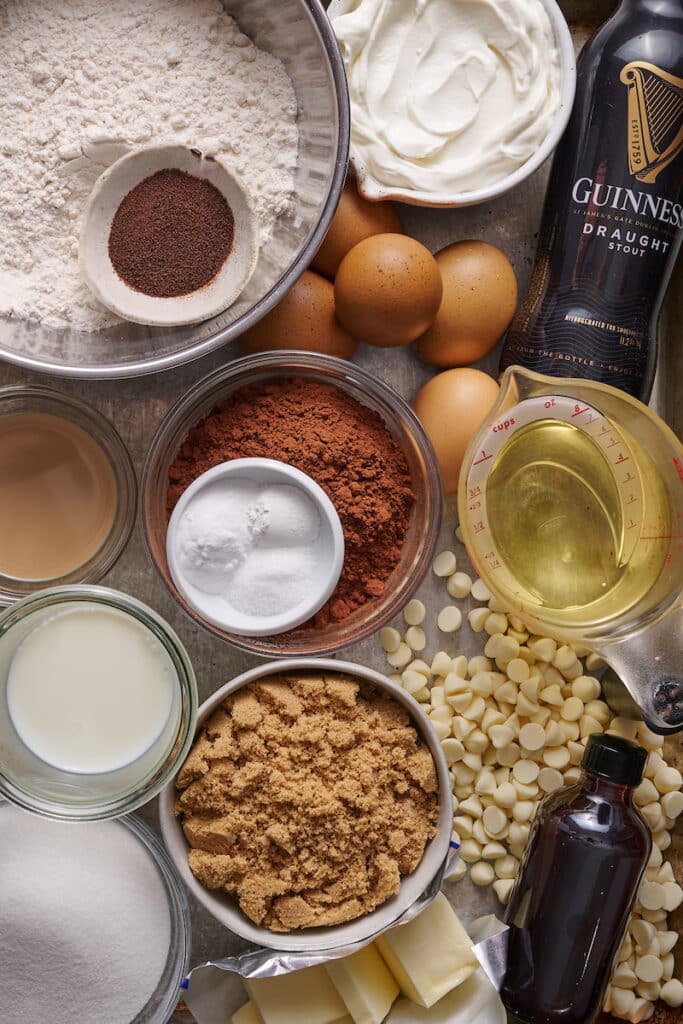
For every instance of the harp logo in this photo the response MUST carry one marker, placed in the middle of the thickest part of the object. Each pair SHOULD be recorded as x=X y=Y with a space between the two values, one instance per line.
x=655 y=118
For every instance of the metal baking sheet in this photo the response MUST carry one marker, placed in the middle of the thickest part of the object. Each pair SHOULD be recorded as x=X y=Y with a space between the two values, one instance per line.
x=137 y=406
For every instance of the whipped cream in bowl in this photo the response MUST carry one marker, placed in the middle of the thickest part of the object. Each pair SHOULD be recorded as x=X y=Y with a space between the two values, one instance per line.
x=453 y=102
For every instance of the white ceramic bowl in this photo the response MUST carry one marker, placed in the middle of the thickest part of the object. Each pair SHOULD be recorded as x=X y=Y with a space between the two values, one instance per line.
x=109 y=191
x=226 y=910
x=329 y=548
x=376 y=191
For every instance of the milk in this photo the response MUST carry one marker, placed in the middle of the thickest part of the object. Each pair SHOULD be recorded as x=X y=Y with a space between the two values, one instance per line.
x=90 y=690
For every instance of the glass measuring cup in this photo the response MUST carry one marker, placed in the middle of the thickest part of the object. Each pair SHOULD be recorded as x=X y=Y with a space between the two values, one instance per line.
x=571 y=507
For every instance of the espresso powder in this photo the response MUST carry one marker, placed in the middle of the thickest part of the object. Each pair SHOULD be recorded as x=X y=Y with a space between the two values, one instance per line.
x=344 y=446
x=171 y=234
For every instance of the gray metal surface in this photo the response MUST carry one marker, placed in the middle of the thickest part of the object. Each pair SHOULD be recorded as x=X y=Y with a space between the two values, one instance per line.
x=137 y=405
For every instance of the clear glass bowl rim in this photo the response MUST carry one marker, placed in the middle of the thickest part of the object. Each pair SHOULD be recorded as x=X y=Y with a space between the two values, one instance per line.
x=108 y=439
x=335 y=372
x=148 y=789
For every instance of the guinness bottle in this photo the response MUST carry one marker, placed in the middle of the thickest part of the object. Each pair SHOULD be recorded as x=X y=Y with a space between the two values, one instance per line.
x=613 y=212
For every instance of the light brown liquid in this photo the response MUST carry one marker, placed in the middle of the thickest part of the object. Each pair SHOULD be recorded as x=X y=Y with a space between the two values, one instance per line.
x=57 y=496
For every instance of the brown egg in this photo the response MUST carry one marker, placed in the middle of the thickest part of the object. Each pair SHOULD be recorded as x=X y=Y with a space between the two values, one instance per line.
x=303 y=319
x=354 y=220
x=387 y=290
x=479 y=301
x=451 y=407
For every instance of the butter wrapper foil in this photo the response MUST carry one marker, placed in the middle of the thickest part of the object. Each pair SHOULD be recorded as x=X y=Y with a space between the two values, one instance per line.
x=210 y=988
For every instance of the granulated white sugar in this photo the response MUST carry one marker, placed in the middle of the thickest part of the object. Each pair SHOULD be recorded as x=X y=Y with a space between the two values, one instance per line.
x=84 y=922
x=81 y=83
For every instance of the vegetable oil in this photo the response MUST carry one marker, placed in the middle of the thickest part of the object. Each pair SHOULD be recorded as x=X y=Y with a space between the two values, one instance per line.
x=567 y=521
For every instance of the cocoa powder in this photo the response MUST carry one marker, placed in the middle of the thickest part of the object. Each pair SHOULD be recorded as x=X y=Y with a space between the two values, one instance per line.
x=171 y=234
x=344 y=446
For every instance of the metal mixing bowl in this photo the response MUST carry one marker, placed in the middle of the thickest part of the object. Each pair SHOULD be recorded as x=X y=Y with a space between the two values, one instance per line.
x=298 y=32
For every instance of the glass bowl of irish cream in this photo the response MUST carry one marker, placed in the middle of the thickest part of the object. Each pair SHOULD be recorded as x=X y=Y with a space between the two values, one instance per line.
x=68 y=492
x=100 y=703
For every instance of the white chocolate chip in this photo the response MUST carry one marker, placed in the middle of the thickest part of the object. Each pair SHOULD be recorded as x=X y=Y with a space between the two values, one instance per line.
x=401 y=656
x=480 y=592
x=532 y=736
x=459 y=585
x=671 y=992
x=415 y=638
x=667 y=779
x=414 y=612
x=550 y=779
x=390 y=639
x=503 y=888
x=449 y=619
x=444 y=564
x=482 y=873
x=648 y=968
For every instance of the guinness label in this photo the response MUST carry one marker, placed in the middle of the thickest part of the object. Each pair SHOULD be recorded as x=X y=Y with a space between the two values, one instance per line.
x=655 y=118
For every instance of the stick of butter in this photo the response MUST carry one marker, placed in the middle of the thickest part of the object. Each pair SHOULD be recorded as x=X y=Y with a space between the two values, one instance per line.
x=246 y=1014
x=365 y=984
x=430 y=955
x=474 y=1002
x=306 y=995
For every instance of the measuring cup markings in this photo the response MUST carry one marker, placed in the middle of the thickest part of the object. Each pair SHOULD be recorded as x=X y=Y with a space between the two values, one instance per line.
x=561 y=409
x=636 y=621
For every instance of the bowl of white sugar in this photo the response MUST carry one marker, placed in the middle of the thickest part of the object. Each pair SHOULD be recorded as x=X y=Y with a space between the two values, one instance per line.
x=258 y=87
x=94 y=922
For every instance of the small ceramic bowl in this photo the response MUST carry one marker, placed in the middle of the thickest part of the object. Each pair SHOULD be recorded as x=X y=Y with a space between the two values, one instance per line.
x=97 y=269
x=226 y=910
x=374 y=190
x=326 y=551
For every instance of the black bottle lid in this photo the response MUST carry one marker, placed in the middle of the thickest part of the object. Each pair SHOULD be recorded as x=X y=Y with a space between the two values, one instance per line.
x=616 y=759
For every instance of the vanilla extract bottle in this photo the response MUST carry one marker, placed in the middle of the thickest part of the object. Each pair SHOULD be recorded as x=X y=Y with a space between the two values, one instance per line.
x=613 y=213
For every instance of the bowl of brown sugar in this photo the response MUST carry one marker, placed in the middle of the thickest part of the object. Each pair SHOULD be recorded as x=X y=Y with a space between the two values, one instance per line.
x=314 y=807
x=348 y=431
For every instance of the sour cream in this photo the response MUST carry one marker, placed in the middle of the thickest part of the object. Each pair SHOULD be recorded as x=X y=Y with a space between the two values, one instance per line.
x=447 y=96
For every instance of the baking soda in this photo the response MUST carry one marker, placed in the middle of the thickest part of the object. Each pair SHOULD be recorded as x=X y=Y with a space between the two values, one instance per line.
x=84 y=922
x=248 y=546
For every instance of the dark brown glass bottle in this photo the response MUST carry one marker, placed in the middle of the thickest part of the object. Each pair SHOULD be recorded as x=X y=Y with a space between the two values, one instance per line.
x=613 y=212
x=578 y=879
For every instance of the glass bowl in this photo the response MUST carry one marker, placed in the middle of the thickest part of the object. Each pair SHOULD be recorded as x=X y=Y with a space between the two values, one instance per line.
x=163 y=1001
x=35 y=785
x=35 y=399
x=299 y=34
x=401 y=423
x=161 y=1004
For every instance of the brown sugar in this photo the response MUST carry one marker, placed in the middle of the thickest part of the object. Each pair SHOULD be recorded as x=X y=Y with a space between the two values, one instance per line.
x=308 y=798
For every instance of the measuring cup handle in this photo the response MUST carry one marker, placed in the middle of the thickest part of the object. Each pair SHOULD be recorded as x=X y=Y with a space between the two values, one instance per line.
x=650 y=665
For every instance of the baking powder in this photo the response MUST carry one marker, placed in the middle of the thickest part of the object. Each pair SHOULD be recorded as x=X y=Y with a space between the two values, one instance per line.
x=248 y=546
x=83 y=82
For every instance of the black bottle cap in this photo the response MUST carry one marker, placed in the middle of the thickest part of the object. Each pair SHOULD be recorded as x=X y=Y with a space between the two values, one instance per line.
x=616 y=759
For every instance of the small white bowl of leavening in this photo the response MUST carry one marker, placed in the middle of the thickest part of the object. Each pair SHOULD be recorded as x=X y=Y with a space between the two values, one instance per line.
x=168 y=237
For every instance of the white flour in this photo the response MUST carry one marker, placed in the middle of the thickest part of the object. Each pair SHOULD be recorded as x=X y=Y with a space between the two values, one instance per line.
x=81 y=82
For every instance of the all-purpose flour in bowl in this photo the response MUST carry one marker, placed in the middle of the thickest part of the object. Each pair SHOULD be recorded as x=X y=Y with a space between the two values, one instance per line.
x=82 y=83
x=85 y=926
